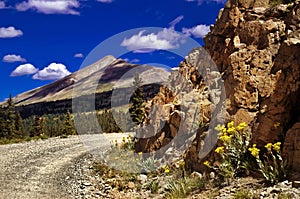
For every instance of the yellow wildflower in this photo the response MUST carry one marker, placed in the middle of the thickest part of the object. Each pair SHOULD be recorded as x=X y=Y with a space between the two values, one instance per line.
x=225 y=138
x=231 y=130
x=241 y=126
x=207 y=163
x=220 y=150
x=276 y=146
x=220 y=127
x=224 y=130
x=268 y=146
x=166 y=169
x=276 y=125
x=181 y=163
x=140 y=153
x=254 y=151
x=230 y=124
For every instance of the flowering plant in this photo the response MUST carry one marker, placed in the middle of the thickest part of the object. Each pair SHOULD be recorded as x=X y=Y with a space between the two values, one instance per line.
x=234 y=141
x=271 y=165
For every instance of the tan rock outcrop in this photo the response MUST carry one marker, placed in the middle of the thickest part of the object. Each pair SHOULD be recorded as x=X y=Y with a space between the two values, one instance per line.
x=256 y=48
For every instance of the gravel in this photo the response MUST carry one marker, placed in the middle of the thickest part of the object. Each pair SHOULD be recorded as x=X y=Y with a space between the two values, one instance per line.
x=52 y=168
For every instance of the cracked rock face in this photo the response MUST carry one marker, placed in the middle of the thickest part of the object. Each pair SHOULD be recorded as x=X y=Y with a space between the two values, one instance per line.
x=258 y=51
x=256 y=48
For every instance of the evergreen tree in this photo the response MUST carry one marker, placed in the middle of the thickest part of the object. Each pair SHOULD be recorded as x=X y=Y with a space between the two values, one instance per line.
x=69 y=128
x=138 y=103
x=19 y=133
x=2 y=122
x=9 y=124
x=38 y=126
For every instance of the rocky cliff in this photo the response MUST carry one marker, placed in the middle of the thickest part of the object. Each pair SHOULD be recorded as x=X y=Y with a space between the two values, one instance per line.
x=255 y=46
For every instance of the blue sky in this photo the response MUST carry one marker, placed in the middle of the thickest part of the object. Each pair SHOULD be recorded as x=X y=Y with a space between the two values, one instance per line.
x=44 y=40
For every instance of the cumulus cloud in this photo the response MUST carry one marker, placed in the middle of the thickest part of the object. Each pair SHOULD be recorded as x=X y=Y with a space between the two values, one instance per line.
x=13 y=58
x=50 y=6
x=105 y=1
x=79 y=55
x=198 y=31
x=147 y=42
x=10 y=32
x=2 y=4
x=52 y=72
x=25 y=69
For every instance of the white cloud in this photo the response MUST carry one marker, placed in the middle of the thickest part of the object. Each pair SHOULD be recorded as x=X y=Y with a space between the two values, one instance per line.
x=13 y=58
x=132 y=61
x=52 y=72
x=10 y=32
x=2 y=4
x=105 y=1
x=50 y=6
x=135 y=61
x=79 y=55
x=147 y=42
x=25 y=69
x=176 y=21
x=198 y=31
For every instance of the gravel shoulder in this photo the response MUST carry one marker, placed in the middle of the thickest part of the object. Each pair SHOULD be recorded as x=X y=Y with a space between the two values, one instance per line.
x=51 y=168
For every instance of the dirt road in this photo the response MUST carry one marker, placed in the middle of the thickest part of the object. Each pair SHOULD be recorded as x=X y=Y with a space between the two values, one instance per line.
x=46 y=168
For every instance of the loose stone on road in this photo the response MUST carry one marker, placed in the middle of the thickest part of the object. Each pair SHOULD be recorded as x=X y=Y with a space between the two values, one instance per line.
x=48 y=168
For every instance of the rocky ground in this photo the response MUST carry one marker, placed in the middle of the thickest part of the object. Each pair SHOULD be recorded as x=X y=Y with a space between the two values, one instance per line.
x=64 y=168
x=52 y=168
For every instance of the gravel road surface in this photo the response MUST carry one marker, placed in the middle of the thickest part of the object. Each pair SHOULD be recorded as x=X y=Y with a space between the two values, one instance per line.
x=49 y=168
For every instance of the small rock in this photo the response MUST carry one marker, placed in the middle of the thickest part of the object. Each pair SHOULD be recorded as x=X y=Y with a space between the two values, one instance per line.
x=196 y=175
x=87 y=184
x=212 y=175
x=143 y=178
x=296 y=184
x=131 y=185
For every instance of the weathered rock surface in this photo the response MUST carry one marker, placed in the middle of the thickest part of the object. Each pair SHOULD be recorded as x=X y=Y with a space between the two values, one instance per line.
x=256 y=48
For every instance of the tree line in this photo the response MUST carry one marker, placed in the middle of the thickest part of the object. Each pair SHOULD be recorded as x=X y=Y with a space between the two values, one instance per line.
x=13 y=126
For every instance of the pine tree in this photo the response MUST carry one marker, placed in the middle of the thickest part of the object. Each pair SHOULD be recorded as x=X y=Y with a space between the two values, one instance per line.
x=2 y=122
x=19 y=133
x=9 y=124
x=69 y=128
x=138 y=103
x=38 y=127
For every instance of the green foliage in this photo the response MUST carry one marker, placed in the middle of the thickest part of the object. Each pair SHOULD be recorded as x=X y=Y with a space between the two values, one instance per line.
x=128 y=143
x=153 y=186
x=38 y=127
x=235 y=155
x=244 y=194
x=10 y=121
x=180 y=188
x=69 y=128
x=275 y=2
x=234 y=142
x=107 y=122
x=278 y=2
x=284 y=195
x=271 y=164
x=138 y=103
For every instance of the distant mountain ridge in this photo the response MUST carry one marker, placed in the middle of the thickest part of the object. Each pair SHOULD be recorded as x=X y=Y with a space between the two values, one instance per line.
x=99 y=78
